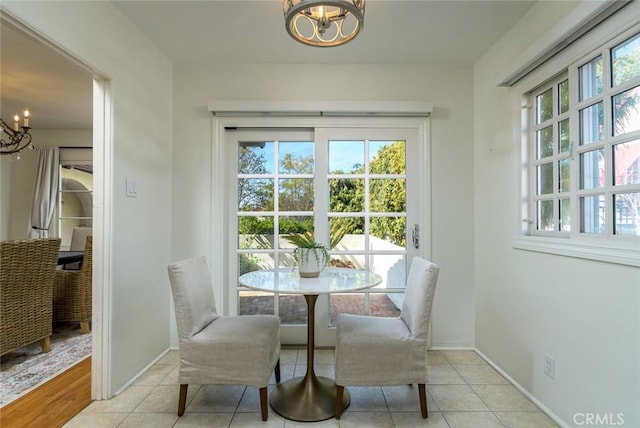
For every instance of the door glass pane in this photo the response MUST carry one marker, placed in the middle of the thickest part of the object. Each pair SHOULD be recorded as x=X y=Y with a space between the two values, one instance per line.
x=626 y=163
x=544 y=106
x=564 y=166
x=346 y=157
x=295 y=157
x=387 y=157
x=293 y=224
x=627 y=214
x=380 y=305
x=592 y=169
x=295 y=194
x=391 y=267
x=292 y=309
x=387 y=195
x=255 y=232
x=565 y=215
x=545 y=142
x=389 y=229
x=253 y=302
x=625 y=59
x=255 y=157
x=249 y=262
x=346 y=195
x=626 y=111
x=255 y=194
x=346 y=233
x=545 y=178
x=563 y=130
x=590 y=79
x=592 y=210
x=591 y=124
x=563 y=96
x=545 y=215
x=351 y=261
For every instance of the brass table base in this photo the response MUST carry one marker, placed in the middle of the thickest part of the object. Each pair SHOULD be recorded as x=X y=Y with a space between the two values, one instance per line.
x=307 y=399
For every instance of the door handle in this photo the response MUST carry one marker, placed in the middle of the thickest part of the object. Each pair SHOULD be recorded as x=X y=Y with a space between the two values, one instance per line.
x=415 y=236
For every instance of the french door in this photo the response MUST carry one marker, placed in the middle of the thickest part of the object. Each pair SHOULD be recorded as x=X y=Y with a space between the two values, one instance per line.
x=355 y=189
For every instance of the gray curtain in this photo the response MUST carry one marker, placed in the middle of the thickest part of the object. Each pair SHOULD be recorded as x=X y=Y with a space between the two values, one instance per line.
x=46 y=193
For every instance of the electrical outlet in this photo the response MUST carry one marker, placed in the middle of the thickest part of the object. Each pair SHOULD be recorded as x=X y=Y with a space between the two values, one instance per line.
x=549 y=366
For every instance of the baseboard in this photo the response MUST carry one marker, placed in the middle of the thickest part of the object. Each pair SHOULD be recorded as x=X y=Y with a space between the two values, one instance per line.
x=141 y=372
x=524 y=392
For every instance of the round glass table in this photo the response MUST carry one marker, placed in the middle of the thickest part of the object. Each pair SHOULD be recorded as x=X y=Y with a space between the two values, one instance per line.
x=309 y=398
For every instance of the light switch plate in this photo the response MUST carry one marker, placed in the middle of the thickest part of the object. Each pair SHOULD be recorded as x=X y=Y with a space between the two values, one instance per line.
x=132 y=188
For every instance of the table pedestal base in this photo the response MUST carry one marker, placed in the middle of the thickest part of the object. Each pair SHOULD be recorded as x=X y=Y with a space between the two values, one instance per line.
x=307 y=399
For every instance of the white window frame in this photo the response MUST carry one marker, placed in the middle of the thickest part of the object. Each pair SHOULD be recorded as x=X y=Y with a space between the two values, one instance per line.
x=607 y=247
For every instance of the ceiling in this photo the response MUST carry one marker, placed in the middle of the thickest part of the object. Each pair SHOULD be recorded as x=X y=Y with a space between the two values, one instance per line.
x=198 y=33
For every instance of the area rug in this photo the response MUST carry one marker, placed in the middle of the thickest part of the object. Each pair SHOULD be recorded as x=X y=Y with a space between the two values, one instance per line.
x=27 y=368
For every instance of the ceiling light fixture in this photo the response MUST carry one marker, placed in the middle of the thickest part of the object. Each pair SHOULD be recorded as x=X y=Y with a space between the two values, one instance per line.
x=15 y=139
x=323 y=23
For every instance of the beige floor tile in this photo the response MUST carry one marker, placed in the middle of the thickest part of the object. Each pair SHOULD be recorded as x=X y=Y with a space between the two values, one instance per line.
x=164 y=399
x=472 y=420
x=217 y=398
x=456 y=398
x=288 y=356
x=435 y=358
x=126 y=401
x=172 y=378
x=504 y=398
x=199 y=420
x=254 y=420
x=463 y=357
x=444 y=374
x=325 y=370
x=155 y=420
x=96 y=420
x=171 y=358
x=286 y=372
x=480 y=374
x=329 y=423
x=526 y=420
x=366 y=419
x=414 y=419
x=405 y=398
x=366 y=399
x=250 y=401
x=155 y=374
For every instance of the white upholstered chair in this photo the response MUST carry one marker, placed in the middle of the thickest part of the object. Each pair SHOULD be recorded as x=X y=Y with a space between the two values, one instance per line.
x=215 y=349
x=389 y=351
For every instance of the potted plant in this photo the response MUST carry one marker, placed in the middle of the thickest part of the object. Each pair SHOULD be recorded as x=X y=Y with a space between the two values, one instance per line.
x=311 y=256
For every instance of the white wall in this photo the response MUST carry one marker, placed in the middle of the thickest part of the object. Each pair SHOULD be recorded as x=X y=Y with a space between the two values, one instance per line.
x=141 y=78
x=447 y=87
x=23 y=175
x=584 y=313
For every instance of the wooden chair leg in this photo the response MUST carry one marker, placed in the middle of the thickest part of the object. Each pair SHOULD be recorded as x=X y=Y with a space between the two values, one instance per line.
x=84 y=327
x=264 y=408
x=46 y=344
x=339 y=396
x=277 y=371
x=423 y=400
x=183 y=398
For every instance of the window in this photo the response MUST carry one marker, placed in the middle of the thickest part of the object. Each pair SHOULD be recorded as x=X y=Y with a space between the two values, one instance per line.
x=583 y=151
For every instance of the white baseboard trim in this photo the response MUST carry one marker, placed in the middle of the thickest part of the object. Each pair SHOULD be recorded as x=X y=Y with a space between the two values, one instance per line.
x=526 y=393
x=141 y=372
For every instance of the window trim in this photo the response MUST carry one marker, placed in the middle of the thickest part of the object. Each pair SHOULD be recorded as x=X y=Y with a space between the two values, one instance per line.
x=618 y=249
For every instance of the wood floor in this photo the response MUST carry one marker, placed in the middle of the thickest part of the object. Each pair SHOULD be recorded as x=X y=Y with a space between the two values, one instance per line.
x=52 y=404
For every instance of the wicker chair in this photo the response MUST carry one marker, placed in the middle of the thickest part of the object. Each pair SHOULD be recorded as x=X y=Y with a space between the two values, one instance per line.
x=72 y=292
x=27 y=271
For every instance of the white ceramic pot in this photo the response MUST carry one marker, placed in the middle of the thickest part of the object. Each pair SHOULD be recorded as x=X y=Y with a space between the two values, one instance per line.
x=311 y=261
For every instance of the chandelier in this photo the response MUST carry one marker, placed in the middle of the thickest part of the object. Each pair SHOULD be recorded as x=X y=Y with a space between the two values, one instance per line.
x=323 y=23
x=12 y=138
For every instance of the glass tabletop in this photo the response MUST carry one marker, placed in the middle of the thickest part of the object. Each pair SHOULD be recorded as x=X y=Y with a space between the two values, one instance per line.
x=331 y=280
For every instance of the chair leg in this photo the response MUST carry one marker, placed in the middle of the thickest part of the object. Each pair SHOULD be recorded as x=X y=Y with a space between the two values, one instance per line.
x=277 y=371
x=263 y=403
x=423 y=400
x=46 y=344
x=84 y=327
x=183 y=398
x=339 y=396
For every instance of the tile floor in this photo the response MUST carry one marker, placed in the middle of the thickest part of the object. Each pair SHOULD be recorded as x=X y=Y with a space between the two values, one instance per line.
x=463 y=391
